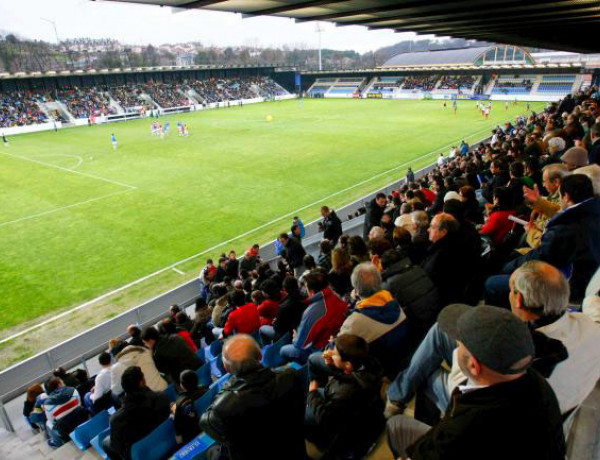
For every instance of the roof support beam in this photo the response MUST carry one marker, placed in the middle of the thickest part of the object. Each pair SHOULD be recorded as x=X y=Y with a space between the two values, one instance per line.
x=469 y=12
x=290 y=7
x=200 y=3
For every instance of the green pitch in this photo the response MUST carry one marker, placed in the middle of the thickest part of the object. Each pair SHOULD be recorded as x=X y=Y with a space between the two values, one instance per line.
x=78 y=219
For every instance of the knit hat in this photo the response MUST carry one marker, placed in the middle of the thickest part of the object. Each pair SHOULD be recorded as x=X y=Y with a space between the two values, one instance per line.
x=576 y=156
x=451 y=195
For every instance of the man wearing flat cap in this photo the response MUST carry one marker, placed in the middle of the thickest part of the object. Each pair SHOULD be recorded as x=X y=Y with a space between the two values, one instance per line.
x=504 y=410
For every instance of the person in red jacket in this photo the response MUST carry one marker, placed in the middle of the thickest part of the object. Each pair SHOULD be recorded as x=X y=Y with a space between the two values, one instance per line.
x=242 y=320
x=267 y=310
x=498 y=225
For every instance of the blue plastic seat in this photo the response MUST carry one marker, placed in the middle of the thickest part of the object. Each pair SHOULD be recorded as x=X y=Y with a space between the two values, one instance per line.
x=271 y=353
x=96 y=443
x=195 y=449
x=303 y=371
x=84 y=433
x=157 y=445
x=204 y=401
x=171 y=393
x=204 y=375
x=217 y=368
x=213 y=350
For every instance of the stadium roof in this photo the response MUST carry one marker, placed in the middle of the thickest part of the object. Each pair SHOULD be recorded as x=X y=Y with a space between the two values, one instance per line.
x=464 y=56
x=556 y=24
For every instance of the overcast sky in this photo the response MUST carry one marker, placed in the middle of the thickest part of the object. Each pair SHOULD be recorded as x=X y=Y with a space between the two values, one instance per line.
x=142 y=24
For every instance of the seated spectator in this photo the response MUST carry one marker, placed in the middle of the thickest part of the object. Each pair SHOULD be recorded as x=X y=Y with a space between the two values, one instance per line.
x=135 y=356
x=289 y=312
x=358 y=250
x=99 y=396
x=341 y=269
x=378 y=319
x=374 y=212
x=267 y=310
x=60 y=409
x=30 y=398
x=168 y=327
x=309 y=265
x=575 y=157
x=420 y=236
x=504 y=408
x=185 y=417
x=202 y=316
x=184 y=320
x=233 y=266
x=571 y=241
x=248 y=262
x=135 y=335
x=256 y=403
x=244 y=318
x=410 y=285
x=346 y=417
x=324 y=260
x=498 y=225
x=172 y=355
x=321 y=319
x=143 y=410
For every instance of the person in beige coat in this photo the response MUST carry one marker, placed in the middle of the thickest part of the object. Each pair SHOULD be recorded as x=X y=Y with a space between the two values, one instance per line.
x=136 y=356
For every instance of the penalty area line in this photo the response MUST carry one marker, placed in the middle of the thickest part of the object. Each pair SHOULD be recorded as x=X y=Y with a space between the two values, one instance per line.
x=223 y=243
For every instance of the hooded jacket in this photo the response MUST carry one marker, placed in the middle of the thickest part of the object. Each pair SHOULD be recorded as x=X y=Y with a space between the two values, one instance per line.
x=173 y=356
x=332 y=227
x=348 y=416
x=258 y=415
x=136 y=356
x=382 y=323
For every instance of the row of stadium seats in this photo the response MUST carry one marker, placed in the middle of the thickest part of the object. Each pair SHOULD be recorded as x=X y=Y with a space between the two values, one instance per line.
x=20 y=108
x=514 y=84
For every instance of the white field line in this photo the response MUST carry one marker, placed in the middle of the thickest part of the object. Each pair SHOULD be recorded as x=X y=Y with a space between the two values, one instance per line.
x=66 y=155
x=60 y=208
x=178 y=271
x=50 y=165
x=223 y=243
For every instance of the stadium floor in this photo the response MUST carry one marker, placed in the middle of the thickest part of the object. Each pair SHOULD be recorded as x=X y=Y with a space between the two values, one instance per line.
x=78 y=219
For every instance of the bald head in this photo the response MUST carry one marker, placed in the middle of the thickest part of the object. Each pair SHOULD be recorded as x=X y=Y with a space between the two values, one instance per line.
x=241 y=354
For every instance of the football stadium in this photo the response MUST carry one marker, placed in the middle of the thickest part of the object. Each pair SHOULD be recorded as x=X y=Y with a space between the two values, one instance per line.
x=265 y=261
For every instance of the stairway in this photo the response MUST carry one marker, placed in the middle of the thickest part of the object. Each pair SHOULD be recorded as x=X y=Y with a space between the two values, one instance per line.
x=27 y=445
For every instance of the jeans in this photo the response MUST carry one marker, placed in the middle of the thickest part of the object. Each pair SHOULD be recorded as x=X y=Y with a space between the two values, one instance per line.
x=54 y=437
x=424 y=371
x=497 y=290
x=299 y=355
x=313 y=431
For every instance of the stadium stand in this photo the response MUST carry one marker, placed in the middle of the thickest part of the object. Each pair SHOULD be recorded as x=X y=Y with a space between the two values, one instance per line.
x=84 y=102
x=425 y=83
x=166 y=96
x=561 y=84
x=129 y=97
x=19 y=108
x=513 y=84
x=501 y=177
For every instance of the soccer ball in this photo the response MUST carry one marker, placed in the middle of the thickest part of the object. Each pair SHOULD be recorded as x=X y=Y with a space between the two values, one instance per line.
x=269 y=118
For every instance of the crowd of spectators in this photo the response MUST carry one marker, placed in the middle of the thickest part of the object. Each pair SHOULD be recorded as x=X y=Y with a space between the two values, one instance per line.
x=128 y=97
x=233 y=89
x=457 y=82
x=516 y=83
x=84 y=102
x=424 y=83
x=166 y=95
x=394 y=314
x=19 y=108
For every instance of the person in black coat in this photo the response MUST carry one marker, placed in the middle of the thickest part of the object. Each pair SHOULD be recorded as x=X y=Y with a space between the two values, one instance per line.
x=258 y=414
x=232 y=268
x=293 y=253
x=171 y=353
x=142 y=411
x=185 y=417
x=346 y=417
x=571 y=241
x=594 y=150
x=412 y=288
x=499 y=178
x=375 y=209
x=332 y=225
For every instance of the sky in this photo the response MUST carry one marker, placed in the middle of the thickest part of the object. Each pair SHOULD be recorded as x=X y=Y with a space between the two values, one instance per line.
x=142 y=24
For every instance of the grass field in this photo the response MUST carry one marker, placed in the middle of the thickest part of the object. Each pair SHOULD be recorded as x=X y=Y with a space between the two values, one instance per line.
x=78 y=220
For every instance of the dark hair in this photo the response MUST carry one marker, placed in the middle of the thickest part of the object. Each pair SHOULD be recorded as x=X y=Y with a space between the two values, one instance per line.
x=189 y=380
x=380 y=195
x=209 y=261
x=247 y=285
x=468 y=192
x=377 y=246
x=316 y=281
x=174 y=309
x=200 y=304
x=270 y=288
x=104 y=359
x=290 y=285
x=167 y=327
x=401 y=236
x=309 y=262
x=325 y=247
x=579 y=187
x=284 y=236
x=181 y=318
x=390 y=257
x=52 y=384
x=59 y=372
x=504 y=198
x=516 y=169
x=149 y=333
x=595 y=130
x=134 y=331
x=353 y=349
x=455 y=208
x=222 y=259
x=236 y=297
x=357 y=246
x=131 y=379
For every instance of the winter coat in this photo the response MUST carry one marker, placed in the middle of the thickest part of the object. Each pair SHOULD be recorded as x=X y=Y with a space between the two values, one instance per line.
x=173 y=356
x=136 y=356
x=332 y=227
x=372 y=217
x=294 y=253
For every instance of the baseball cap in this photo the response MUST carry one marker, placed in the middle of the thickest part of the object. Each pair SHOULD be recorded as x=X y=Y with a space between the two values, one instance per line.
x=495 y=336
x=577 y=156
